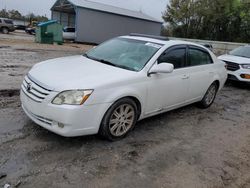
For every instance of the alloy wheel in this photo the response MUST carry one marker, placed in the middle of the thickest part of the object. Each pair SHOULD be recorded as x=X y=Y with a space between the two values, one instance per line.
x=5 y=31
x=122 y=120
x=210 y=95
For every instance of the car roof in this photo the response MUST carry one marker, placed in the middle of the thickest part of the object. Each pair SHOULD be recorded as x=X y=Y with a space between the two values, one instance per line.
x=6 y=18
x=163 y=42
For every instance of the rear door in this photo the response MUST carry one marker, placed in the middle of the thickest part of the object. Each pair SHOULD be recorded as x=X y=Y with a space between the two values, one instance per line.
x=201 y=72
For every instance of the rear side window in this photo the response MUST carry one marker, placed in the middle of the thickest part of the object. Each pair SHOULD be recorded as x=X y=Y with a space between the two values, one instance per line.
x=8 y=21
x=198 y=57
x=176 y=57
x=0 y=21
x=71 y=30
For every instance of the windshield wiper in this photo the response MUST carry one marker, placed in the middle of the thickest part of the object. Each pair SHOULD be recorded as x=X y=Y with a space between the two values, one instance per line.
x=108 y=62
x=86 y=55
x=115 y=65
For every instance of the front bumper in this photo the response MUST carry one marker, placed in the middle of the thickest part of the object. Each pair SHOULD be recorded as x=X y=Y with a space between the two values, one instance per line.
x=238 y=75
x=64 y=120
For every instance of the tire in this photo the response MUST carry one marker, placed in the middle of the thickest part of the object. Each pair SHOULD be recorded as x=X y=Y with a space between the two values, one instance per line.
x=209 y=97
x=5 y=30
x=119 y=120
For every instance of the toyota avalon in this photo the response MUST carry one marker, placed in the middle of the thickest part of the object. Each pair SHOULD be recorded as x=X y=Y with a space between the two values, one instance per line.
x=126 y=79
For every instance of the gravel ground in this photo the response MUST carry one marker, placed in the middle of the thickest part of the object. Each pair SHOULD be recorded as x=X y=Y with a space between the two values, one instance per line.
x=185 y=148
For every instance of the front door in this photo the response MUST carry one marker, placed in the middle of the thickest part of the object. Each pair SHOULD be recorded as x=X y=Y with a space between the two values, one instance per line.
x=169 y=89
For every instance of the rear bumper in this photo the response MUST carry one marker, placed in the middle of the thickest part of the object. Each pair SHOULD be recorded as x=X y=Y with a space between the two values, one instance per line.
x=65 y=120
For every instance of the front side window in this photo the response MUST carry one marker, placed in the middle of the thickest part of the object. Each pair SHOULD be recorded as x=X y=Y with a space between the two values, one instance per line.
x=177 y=57
x=199 y=57
x=125 y=53
x=8 y=21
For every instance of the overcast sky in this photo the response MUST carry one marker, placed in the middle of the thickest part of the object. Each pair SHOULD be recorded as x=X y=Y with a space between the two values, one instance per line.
x=153 y=8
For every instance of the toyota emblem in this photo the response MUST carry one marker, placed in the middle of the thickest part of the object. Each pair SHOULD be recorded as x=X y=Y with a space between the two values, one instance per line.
x=29 y=87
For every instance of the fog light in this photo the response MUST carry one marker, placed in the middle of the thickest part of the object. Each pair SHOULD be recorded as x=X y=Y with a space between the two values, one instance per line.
x=60 y=125
x=245 y=76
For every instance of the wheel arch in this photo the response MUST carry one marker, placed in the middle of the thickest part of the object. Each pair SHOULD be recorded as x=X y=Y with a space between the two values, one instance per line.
x=132 y=97
x=217 y=82
x=138 y=104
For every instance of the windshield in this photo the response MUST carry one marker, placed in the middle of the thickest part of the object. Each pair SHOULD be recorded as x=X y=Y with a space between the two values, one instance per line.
x=243 y=51
x=124 y=53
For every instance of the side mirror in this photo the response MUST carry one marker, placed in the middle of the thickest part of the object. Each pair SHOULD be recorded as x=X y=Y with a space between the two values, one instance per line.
x=161 y=68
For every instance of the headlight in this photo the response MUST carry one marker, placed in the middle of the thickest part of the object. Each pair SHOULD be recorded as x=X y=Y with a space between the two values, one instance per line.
x=72 y=97
x=246 y=66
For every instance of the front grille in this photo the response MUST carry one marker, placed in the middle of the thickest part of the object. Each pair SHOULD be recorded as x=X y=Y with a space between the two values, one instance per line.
x=33 y=90
x=232 y=66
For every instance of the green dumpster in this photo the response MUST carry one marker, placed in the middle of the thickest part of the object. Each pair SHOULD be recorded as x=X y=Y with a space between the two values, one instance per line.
x=49 y=32
x=47 y=38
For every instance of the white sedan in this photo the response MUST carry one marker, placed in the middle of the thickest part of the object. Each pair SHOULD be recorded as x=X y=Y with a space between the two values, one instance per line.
x=69 y=33
x=126 y=79
x=238 y=64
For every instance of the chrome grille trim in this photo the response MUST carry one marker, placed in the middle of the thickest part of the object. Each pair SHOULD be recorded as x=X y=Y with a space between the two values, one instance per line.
x=33 y=90
x=30 y=95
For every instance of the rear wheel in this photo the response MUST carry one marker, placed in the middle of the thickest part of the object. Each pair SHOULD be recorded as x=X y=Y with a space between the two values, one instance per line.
x=119 y=120
x=209 y=97
x=5 y=30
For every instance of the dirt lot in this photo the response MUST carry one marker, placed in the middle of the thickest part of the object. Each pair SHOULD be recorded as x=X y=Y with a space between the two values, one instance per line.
x=185 y=148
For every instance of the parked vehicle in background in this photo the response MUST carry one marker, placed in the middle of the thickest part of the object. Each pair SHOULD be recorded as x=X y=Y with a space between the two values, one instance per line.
x=69 y=33
x=6 y=25
x=209 y=46
x=20 y=27
x=126 y=79
x=31 y=28
x=238 y=63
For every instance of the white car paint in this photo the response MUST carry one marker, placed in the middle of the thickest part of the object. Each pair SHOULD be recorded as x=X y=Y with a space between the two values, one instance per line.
x=156 y=93
x=68 y=34
x=236 y=75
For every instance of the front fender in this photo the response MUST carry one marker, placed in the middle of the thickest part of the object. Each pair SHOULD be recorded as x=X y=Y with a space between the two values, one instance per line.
x=137 y=91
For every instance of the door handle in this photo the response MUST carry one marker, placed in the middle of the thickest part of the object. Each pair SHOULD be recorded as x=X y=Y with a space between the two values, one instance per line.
x=185 y=77
x=211 y=72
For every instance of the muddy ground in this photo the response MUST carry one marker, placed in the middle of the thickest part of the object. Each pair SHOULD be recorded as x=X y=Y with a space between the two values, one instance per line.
x=185 y=148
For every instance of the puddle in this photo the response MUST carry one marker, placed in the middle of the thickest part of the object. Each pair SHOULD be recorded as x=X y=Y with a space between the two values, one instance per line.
x=4 y=47
x=9 y=92
x=28 y=50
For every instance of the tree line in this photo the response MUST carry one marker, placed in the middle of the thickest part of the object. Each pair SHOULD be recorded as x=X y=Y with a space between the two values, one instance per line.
x=222 y=20
x=16 y=15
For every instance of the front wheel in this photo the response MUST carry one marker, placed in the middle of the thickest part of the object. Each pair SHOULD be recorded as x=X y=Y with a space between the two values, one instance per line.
x=5 y=30
x=119 y=120
x=209 y=97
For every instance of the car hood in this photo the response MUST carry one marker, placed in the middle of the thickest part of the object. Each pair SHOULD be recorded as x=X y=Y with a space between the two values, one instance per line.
x=234 y=59
x=77 y=72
